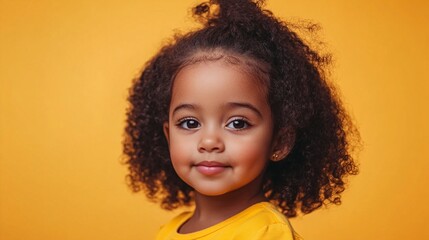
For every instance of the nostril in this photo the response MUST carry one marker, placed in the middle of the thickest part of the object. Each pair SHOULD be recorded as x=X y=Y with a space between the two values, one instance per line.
x=211 y=144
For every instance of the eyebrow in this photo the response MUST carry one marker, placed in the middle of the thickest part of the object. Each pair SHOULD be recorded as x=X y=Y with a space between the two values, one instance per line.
x=184 y=106
x=245 y=105
x=229 y=104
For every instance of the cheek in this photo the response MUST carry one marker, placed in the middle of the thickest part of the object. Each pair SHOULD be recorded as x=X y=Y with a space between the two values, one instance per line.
x=255 y=150
x=179 y=150
x=254 y=153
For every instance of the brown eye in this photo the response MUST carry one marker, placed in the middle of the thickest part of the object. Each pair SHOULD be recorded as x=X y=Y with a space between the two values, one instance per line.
x=189 y=124
x=238 y=124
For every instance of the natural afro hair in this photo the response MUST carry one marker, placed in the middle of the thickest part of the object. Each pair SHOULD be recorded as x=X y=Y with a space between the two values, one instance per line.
x=302 y=101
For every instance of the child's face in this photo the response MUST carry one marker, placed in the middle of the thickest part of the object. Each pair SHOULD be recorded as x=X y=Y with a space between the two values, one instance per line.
x=220 y=127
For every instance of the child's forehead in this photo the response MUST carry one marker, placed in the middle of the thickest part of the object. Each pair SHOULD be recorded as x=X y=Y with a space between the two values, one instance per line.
x=257 y=69
x=210 y=76
x=213 y=87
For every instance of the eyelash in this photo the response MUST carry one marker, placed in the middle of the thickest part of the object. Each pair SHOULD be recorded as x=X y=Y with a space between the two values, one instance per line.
x=240 y=120
x=181 y=123
x=185 y=120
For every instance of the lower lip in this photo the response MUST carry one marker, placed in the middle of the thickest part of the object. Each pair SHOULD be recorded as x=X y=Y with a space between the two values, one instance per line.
x=209 y=171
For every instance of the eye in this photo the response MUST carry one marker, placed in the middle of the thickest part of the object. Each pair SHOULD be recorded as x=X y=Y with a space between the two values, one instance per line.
x=238 y=124
x=189 y=123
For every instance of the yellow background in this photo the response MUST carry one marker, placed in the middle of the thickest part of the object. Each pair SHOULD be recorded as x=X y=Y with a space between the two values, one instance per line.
x=65 y=67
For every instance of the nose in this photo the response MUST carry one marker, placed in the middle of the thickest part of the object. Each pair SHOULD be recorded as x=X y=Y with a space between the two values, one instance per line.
x=211 y=141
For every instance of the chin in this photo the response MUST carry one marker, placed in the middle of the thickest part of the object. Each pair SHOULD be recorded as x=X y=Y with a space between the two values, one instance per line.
x=211 y=192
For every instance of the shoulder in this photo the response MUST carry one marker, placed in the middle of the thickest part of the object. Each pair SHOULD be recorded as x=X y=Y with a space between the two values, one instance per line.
x=171 y=227
x=274 y=231
x=265 y=213
x=265 y=222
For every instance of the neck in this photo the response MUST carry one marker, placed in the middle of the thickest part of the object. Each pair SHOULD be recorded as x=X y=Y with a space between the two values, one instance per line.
x=210 y=210
x=214 y=209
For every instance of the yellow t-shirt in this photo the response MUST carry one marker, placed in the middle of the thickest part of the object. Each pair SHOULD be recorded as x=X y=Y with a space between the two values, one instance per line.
x=260 y=221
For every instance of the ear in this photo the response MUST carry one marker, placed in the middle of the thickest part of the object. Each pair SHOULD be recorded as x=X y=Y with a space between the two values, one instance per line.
x=283 y=144
x=166 y=131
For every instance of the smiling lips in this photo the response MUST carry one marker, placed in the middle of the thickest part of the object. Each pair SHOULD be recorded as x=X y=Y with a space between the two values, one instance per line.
x=210 y=167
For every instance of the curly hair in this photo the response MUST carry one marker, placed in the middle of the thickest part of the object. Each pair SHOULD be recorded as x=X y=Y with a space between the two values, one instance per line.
x=300 y=97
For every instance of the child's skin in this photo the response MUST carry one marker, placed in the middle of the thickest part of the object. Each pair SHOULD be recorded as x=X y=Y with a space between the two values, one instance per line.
x=220 y=135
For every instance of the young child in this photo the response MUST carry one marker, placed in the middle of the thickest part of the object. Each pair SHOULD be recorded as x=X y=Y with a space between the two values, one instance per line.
x=238 y=119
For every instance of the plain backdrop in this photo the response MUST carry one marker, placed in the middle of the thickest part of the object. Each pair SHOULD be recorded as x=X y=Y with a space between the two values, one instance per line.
x=65 y=70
